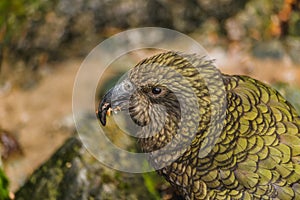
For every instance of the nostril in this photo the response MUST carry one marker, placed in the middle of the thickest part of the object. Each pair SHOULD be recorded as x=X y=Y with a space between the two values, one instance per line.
x=128 y=86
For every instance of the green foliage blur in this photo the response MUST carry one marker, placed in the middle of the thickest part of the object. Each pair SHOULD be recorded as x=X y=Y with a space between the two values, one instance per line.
x=151 y=181
x=15 y=15
x=4 y=193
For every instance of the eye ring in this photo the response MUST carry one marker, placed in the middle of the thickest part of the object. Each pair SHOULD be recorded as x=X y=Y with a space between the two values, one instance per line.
x=156 y=90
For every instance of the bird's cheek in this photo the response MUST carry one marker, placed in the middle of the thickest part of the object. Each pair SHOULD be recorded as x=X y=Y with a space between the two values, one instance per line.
x=139 y=115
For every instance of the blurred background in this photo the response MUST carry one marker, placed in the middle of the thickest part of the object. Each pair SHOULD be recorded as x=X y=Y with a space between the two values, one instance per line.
x=43 y=43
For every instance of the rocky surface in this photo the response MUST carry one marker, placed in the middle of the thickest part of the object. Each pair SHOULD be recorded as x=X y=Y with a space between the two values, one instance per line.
x=72 y=173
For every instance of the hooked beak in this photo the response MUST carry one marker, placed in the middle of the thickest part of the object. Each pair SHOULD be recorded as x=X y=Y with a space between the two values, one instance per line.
x=104 y=107
x=116 y=99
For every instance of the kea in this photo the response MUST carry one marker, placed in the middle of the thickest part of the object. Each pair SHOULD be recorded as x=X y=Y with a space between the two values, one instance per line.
x=210 y=135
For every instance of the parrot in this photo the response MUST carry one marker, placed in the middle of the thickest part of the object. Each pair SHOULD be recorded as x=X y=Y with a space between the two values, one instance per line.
x=209 y=134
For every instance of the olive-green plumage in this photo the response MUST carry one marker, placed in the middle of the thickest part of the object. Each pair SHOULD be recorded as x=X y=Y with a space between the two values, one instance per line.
x=247 y=136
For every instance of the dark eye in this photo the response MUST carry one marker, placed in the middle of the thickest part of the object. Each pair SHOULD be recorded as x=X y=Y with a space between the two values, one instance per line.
x=156 y=90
